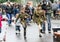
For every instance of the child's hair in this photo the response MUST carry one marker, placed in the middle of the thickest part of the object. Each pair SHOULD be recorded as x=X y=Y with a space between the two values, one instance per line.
x=0 y=9
x=39 y=5
x=22 y=9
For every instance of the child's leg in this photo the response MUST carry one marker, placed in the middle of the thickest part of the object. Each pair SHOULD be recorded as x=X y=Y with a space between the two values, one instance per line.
x=9 y=16
x=24 y=31
x=43 y=27
x=39 y=26
x=0 y=29
x=17 y=29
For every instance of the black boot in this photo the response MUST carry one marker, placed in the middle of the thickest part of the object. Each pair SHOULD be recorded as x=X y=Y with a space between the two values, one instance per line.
x=40 y=35
x=25 y=33
x=16 y=33
x=42 y=31
x=19 y=30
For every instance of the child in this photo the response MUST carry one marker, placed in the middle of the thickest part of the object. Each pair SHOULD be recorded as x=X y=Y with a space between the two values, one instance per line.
x=1 y=19
x=17 y=24
x=23 y=16
x=0 y=22
x=38 y=18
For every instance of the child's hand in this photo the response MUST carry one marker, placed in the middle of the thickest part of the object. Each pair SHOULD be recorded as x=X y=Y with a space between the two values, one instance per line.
x=14 y=22
x=4 y=19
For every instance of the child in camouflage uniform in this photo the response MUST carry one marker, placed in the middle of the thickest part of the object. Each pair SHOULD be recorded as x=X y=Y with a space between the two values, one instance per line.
x=23 y=16
x=39 y=17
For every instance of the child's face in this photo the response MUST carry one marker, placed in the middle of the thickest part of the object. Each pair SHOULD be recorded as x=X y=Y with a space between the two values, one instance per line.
x=38 y=8
x=23 y=10
x=0 y=10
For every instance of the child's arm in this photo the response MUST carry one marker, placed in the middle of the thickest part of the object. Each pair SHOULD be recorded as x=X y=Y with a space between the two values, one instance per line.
x=3 y=19
x=17 y=17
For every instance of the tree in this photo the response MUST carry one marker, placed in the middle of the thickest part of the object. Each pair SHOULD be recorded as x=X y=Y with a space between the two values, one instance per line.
x=52 y=1
x=13 y=0
x=1 y=1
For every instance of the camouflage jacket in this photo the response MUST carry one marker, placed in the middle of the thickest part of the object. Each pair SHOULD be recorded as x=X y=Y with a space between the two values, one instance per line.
x=39 y=16
x=23 y=17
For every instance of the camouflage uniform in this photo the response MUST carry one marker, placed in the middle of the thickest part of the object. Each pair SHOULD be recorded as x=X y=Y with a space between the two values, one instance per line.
x=23 y=17
x=39 y=16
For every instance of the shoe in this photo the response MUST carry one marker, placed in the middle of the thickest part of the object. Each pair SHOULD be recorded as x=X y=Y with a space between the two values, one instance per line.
x=49 y=31
x=42 y=31
x=24 y=37
x=40 y=35
x=16 y=33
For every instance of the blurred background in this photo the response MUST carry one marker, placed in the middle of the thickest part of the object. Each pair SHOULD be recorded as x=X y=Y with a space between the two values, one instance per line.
x=25 y=1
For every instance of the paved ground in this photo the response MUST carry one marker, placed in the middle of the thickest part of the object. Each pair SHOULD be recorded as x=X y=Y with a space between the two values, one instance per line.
x=32 y=33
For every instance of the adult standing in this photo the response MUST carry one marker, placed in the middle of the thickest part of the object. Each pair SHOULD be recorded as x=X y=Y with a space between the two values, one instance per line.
x=9 y=13
x=16 y=9
x=55 y=6
x=29 y=9
x=48 y=15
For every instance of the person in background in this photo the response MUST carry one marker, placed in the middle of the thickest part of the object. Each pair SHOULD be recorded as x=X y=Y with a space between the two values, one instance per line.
x=59 y=4
x=57 y=11
x=17 y=25
x=15 y=9
x=43 y=3
x=29 y=10
x=9 y=11
x=55 y=6
x=1 y=19
x=48 y=15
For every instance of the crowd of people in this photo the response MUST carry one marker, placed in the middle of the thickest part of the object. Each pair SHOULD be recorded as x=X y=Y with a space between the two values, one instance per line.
x=25 y=14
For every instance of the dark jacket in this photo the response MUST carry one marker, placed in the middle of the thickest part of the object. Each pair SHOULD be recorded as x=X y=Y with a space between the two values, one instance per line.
x=44 y=5
x=27 y=10
x=9 y=9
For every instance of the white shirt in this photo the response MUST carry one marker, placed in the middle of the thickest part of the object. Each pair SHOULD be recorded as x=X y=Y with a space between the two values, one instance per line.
x=18 y=22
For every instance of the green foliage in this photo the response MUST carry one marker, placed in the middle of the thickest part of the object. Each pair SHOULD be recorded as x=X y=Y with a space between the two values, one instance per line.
x=52 y=1
x=13 y=0
x=1 y=1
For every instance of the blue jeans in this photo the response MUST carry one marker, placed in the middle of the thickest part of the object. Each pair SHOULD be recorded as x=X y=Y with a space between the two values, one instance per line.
x=31 y=15
x=27 y=20
x=0 y=29
x=18 y=28
x=9 y=16
x=43 y=26
x=49 y=21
